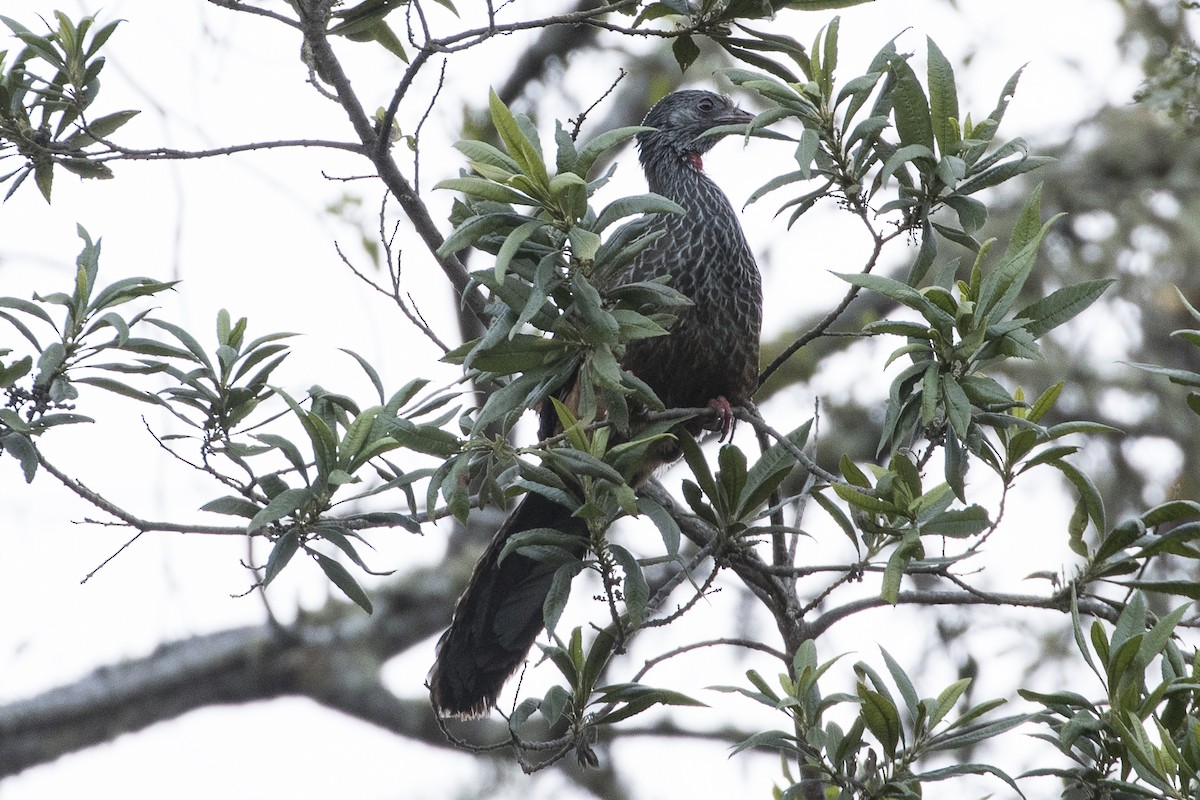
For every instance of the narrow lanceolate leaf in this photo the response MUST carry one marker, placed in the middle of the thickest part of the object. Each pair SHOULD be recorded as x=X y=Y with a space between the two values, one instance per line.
x=903 y=682
x=636 y=590
x=285 y=547
x=236 y=506
x=117 y=387
x=485 y=153
x=881 y=718
x=778 y=457
x=560 y=590
x=341 y=578
x=947 y=700
x=959 y=522
x=637 y=204
x=1002 y=284
x=281 y=505
x=488 y=190
x=943 y=100
x=1089 y=495
x=605 y=141
x=512 y=244
x=1061 y=305
x=911 y=107
x=524 y=151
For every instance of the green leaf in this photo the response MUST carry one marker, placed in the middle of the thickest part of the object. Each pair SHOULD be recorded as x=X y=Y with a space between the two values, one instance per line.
x=910 y=106
x=369 y=369
x=958 y=406
x=897 y=563
x=902 y=293
x=427 y=439
x=109 y=124
x=635 y=588
x=594 y=148
x=1156 y=639
x=560 y=590
x=668 y=528
x=1045 y=402
x=485 y=189
x=968 y=769
x=1171 y=511
x=116 y=387
x=903 y=155
x=776 y=740
x=638 y=698
x=1061 y=305
x=765 y=475
x=539 y=540
x=1189 y=589
x=972 y=735
x=1179 y=376
x=903 y=683
x=186 y=339
x=485 y=153
x=686 y=51
x=881 y=717
x=636 y=204
x=513 y=242
x=524 y=151
x=341 y=578
x=958 y=523
x=285 y=547
x=1089 y=496
x=943 y=100
x=20 y=447
x=1001 y=285
x=281 y=505
x=235 y=506
x=947 y=699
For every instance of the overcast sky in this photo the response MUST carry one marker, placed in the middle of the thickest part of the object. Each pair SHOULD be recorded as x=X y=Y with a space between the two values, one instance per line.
x=248 y=234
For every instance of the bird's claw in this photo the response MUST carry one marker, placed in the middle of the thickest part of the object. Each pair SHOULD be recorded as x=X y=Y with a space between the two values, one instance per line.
x=725 y=421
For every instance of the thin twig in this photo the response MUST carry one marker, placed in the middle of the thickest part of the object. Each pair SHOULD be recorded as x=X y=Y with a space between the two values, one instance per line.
x=104 y=563
x=416 y=136
x=239 y=5
x=577 y=122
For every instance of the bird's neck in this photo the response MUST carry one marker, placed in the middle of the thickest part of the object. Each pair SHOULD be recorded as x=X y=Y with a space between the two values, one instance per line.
x=674 y=175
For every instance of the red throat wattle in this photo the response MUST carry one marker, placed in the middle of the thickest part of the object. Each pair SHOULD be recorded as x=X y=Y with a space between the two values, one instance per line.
x=695 y=160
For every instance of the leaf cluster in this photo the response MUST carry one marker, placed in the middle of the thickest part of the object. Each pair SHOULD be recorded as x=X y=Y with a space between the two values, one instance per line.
x=878 y=754
x=45 y=96
x=881 y=125
x=83 y=327
x=1143 y=738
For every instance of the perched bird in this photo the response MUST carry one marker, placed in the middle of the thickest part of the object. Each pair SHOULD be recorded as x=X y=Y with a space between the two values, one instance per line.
x=710 y=357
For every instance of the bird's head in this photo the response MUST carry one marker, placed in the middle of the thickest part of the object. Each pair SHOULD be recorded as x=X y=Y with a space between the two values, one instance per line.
x=682 y=118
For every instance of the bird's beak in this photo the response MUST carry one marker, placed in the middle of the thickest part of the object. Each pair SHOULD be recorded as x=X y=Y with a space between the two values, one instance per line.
x=735 y=116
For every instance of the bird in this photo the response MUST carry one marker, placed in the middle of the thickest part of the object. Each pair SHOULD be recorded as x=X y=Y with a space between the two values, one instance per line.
x=710 y=357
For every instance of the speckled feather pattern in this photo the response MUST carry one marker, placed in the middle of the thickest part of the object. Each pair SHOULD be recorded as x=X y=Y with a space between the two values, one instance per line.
x=711 y=351
x=713 y=348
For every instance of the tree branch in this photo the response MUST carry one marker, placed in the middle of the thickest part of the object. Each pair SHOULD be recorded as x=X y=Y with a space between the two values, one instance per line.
x=1060 y=601
x=333 y=658
x=389 y=171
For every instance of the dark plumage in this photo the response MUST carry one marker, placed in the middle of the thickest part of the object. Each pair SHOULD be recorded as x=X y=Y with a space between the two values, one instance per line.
x=712 y=351
x=709 y=357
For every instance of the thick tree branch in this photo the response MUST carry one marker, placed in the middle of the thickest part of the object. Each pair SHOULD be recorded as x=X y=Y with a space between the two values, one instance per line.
x=1060 y=601
x=389 y=172
x=333 y=658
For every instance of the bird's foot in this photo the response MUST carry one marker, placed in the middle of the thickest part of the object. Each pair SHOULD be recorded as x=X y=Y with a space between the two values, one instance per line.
x=725 y=421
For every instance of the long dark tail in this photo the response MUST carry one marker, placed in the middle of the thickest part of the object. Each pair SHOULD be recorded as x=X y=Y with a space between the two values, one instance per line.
x=499 y=614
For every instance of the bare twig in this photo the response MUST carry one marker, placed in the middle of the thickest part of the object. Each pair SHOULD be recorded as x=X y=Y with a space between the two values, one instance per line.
x=577 y=122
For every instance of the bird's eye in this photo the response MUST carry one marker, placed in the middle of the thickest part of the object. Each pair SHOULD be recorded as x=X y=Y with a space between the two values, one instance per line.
x=706 y=106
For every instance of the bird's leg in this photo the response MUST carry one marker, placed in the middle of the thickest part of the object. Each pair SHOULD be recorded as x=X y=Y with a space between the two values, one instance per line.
x=725 y=420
